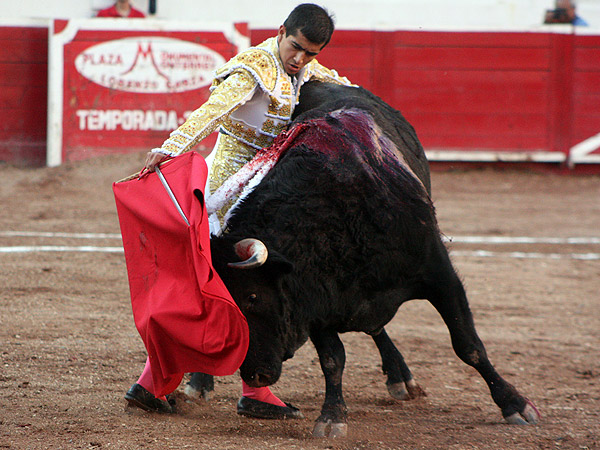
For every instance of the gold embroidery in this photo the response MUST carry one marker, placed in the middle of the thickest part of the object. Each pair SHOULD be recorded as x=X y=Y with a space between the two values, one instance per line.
x=257 y=60
x=270 y=127
x=226 y=97
x=234 y=84
x=284 y=111
x=230 y=156
x=286 y=88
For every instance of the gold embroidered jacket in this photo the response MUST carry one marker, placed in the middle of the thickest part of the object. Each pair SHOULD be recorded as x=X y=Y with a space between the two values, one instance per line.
x=252 y=100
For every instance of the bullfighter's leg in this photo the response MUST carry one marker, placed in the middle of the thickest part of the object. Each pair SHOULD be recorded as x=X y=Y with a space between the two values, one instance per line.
x=332 y=357
x=255 y=402
x=446 y=293
x=400 y=382
x=261 y=403
x=141 y=394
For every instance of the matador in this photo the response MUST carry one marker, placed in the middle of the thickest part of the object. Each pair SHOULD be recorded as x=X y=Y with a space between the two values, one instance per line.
x=252 y=100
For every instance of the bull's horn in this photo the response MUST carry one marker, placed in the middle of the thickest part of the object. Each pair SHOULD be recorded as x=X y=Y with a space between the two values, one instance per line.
x=252 y=252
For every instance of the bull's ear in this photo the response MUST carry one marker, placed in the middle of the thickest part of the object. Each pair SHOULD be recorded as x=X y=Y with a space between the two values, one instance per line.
x=278 y=264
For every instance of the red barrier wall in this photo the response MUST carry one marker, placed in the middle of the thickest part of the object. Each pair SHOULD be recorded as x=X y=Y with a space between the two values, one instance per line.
x=585 y=118
x=470 y=95
x=23 y=94
x=494 y=93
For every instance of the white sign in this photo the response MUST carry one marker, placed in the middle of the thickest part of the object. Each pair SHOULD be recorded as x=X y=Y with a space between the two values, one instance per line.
x=149 y=65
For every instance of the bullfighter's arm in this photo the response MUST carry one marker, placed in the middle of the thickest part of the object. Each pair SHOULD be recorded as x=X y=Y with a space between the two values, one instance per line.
x=229 y=95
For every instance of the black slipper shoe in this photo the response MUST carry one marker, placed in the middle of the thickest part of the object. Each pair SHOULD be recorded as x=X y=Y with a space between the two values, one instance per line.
x=140 y=397
x=262 y=410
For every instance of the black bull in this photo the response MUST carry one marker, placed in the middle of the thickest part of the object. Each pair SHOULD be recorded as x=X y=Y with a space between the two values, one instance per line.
x=351 y=234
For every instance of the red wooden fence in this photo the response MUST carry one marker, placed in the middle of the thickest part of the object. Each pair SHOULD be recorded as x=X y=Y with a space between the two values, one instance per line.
x=479 y=95
x=23 y=93
x=470 y=95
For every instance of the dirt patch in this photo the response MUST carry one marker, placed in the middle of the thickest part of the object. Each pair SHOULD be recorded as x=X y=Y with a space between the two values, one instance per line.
x=69 y=349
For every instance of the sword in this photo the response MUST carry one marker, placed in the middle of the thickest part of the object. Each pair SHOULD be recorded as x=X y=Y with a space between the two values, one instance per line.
x=171 y=195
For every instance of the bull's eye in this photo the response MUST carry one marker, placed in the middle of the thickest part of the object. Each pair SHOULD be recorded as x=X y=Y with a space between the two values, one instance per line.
x=252 y=298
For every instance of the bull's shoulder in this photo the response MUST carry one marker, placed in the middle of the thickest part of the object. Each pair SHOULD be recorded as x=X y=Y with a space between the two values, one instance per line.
x=318 y=99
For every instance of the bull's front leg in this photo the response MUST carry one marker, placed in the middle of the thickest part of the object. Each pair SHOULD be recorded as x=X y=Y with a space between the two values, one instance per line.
x=333 y=419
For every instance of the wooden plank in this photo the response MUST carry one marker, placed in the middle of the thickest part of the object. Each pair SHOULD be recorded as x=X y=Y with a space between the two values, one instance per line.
x=560 y=93
x=504 y=142
x=23 y=97
x=484 y=142
x=33 y=75
x=585 y=83
x=488 y=78
x=586 y=59
x=23 y=137
x=353 y=38
x=484 y=39
x=471 y=91
x=474 y=102
x=469 y=58
x=8 y=33
x=524 y=124
x=22 y=122
x=480 y=130
x=346 y=58
x=584 y=128
x=587 y=101
x=590 y=41
x=24 y=51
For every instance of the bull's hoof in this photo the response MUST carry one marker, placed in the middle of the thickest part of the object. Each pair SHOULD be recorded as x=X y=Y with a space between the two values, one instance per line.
x=330 y=429
x=406 y=391
x=529 y=416
x=398 y=391
x=414 y=390
x=261 y=410
x=202 y=394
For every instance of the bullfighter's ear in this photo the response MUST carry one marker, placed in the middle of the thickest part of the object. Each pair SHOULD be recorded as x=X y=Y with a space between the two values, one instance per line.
x=278 y=263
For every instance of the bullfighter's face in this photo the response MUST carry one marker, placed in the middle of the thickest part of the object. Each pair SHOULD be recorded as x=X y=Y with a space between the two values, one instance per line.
x=295 y=51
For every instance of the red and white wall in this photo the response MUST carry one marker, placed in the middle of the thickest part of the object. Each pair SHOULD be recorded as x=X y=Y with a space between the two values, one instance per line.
x=123 y=86
x=483 y=96
x=479 y=95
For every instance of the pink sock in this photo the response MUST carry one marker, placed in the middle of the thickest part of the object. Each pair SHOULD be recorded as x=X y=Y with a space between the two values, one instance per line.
x=262 y=394
x=145 y=380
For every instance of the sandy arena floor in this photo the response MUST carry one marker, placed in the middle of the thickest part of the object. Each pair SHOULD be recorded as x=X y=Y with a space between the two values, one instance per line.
x=69 y=349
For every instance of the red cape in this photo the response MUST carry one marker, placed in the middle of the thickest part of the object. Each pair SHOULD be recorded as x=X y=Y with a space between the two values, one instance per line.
x=181 y=308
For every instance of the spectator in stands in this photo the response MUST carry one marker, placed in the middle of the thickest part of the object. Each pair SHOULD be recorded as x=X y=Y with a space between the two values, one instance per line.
x=564 y=12
x=121 y=8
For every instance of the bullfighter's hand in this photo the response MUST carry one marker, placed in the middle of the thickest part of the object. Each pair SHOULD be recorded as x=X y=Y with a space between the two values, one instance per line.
x=152 y=160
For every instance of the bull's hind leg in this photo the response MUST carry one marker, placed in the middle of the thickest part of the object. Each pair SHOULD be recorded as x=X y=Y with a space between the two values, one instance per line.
x=447 y=294
x=333 y=419
x=400 y=382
